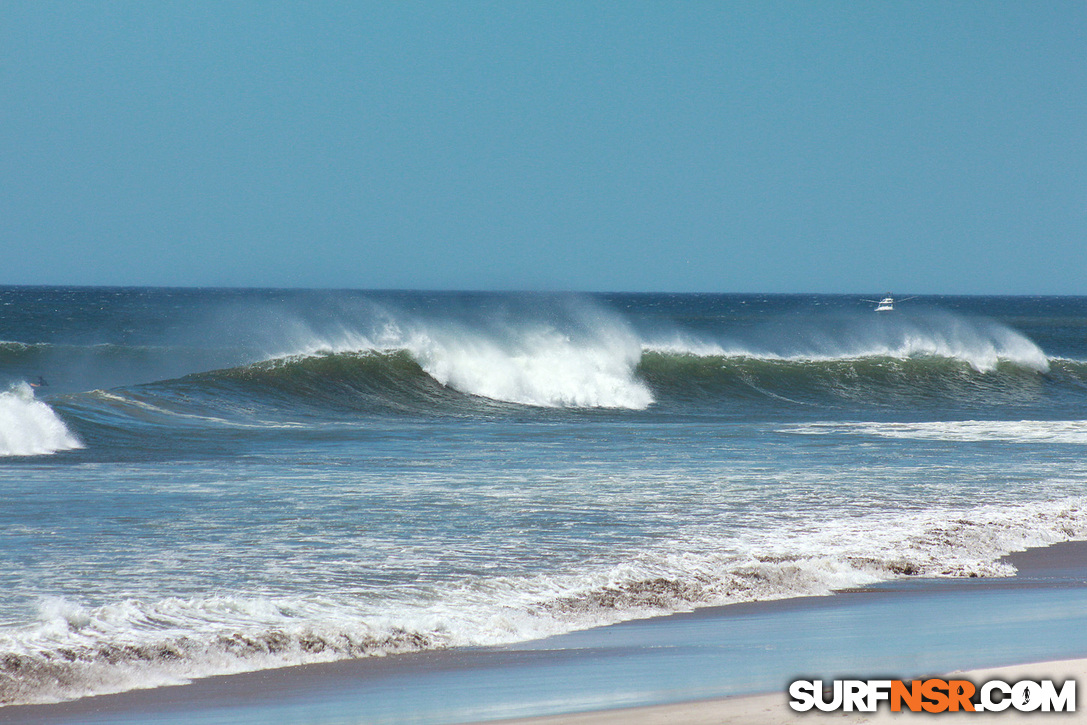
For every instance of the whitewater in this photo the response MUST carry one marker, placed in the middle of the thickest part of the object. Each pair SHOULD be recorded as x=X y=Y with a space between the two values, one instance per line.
x=29 y=427
x=215 y=481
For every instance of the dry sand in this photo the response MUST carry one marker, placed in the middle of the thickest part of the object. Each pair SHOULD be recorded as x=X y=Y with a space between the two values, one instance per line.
x=773 y=709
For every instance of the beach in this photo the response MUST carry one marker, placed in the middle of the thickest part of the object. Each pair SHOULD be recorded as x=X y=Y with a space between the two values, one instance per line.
x=348 y=506
x=455 y=363
x=716 y=665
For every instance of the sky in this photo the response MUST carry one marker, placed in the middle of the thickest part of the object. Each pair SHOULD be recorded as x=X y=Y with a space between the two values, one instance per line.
x=914 y=147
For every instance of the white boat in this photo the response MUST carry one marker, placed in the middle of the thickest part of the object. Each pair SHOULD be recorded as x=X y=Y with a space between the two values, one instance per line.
x=887 y=304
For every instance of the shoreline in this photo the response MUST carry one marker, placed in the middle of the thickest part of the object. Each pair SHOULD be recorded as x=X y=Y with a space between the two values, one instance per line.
x=670 y=668
x=773 y=708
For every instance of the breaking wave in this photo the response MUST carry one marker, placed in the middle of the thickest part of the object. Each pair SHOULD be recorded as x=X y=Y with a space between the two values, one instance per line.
x=588 y=362
x=29 y=427
x=457 y=369
x=577 y=355
x=601 y=361
x=481 y=377
x=981 y=345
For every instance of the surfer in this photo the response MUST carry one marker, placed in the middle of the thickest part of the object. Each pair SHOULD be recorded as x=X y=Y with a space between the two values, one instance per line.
x=40 y=384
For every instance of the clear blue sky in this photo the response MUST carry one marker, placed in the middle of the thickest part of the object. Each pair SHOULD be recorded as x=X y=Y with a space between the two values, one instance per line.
x=919 y=147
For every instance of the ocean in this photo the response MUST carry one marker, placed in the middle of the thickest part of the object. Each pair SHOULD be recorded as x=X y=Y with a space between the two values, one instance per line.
x=200 y=482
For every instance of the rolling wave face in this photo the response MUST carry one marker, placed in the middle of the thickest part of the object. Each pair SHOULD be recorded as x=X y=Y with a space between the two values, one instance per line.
x=925 y=360
x=348 y=381
x=980 y=343
x=587 y=361
x=393 y=364
x=584 y=357
x=29 y=427
x=490 y=380
x=595 y=360
x=867 y=382
x=454 y=370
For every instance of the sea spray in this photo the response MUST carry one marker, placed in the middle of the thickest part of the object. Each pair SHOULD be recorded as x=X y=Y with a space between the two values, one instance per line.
x=29 y=427
x=979 y=343
x=584 y=359
x=541 y=367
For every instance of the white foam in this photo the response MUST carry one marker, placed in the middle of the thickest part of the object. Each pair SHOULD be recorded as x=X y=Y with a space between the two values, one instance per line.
x=589 y=359
x=541 y=367
x=529 y=363
x=75 y=650
x=981 y=344
x=29 y=427
x=1021 y=431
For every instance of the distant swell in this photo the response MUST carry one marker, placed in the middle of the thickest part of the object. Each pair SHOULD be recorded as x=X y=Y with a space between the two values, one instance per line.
x=29 y=427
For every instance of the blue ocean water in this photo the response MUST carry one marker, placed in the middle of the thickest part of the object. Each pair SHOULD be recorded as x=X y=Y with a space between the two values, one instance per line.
x=198 y=482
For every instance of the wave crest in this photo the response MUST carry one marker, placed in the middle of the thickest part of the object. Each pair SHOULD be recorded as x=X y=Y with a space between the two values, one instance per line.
x=587 y=363
x=29 y=427
x=983 y=345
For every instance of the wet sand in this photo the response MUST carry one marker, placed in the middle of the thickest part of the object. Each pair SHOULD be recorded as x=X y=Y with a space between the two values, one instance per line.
x=687 y=668
x=773 y=708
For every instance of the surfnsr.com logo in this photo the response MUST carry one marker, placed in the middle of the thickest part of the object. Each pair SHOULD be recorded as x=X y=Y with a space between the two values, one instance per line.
x=933 y=695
